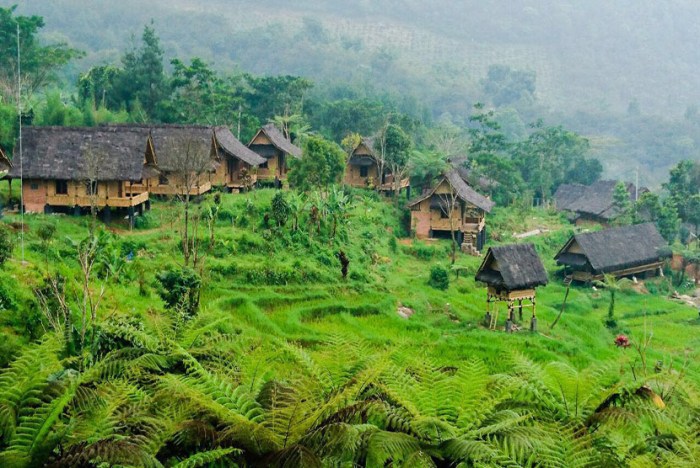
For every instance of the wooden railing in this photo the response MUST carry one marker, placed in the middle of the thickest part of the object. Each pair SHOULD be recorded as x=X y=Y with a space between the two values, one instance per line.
x=174 y=190
x=389 y=183
x=100 y=201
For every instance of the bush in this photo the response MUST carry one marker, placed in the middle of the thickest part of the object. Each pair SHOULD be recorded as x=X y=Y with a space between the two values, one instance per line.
x=180 y=290
x=5 y=245
x=145 y=221
x=420 y=251
x=393 y=245
x=439 y=278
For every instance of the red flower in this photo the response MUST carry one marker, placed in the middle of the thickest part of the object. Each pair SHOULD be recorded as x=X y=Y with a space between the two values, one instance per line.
x=621 y=341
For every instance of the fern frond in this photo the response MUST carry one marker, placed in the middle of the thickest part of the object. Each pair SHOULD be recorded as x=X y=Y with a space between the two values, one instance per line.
x=208 y=457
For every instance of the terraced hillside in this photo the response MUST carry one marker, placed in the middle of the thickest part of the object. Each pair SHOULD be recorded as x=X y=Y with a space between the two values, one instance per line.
x=286 y=362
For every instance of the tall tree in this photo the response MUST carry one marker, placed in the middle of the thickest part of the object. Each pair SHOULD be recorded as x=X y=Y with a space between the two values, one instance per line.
x=395 y=149
x=551 y=156
x=190 y=161
x=623 y=205
x=142 y=78
x=684 y=182
x=39 y=63
x=489 y=156
x=321 y=165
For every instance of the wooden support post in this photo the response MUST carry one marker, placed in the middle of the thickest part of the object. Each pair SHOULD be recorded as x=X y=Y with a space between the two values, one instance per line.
x=520 y=309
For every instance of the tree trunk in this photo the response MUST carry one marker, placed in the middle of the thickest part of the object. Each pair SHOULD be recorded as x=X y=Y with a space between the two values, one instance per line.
x=185 y=234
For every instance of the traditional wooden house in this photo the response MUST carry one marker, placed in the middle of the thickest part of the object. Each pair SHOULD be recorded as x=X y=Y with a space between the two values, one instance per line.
x=363 y=170
x=272 y=145
x=238 y=165
x=212 y=154
x=512 y=273
x=451 y=205
x=624 y=251
x=593 y=203
x=74 y=169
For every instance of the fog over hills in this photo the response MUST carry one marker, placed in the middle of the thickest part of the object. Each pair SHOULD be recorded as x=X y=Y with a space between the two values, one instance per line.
x=592 y=54
x=590 y=58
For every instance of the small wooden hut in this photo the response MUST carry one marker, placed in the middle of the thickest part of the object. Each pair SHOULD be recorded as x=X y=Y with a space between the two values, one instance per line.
x=624 y=251
x=363 y=170
x=449 y=205
x=512 y=273
x=75 y=168
x=272 y=145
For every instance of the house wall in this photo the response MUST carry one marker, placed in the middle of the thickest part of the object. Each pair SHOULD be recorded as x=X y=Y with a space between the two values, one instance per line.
x=425 y=219
x=40 y=193
x=34 y=195
x=230 y=172
x=353 y=178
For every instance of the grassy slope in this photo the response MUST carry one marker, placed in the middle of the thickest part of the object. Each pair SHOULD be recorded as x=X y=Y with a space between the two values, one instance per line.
x=316 y=308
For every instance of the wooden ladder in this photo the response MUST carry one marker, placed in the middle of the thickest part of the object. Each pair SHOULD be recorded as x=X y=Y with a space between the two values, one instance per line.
x=494 y=319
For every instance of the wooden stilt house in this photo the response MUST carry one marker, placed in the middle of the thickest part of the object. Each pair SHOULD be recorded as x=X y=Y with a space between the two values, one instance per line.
x=238 y=165
x=73 y=169
x=186 y=158
x=363 y=170
x=272 y=145
x=512 y=274
x=451 y=205
x=623 y=251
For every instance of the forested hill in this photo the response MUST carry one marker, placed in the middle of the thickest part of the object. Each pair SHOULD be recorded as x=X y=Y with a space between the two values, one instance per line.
x=622 y=74
x=592 y=55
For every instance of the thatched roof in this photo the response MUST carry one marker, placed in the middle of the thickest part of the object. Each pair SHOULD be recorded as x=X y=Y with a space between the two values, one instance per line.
x=169 y=141
x=480 y=181
x=82 y=153
x=364 y=159
x=232 y=146
x=568 y=194
x=463 y=191
x=594 y=200
x=513 y=267
x=5 y=163
x=616 y=248
x=278 y=140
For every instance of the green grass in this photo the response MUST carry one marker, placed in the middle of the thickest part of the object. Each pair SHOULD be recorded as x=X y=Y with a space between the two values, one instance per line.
x=282 y=284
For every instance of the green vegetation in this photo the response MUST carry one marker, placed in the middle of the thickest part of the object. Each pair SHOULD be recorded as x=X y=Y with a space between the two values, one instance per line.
x=305 y=328
x=275 y=359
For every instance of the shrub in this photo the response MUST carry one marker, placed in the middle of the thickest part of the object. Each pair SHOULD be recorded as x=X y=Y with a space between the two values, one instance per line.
x=393 y=245
x=5 y=245
x=145 y=221
x=439 y=278
x=179 y=288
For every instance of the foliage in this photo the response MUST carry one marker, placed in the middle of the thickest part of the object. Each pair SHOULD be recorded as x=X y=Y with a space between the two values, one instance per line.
x=439 y=277
x=622 y=205
x=6 y=245
x=180 y=290
x=39 y=62
x=321 y=165
x=280 y=209
x=552 y=156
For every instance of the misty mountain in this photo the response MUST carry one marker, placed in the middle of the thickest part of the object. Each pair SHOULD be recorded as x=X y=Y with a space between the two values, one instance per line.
x=593 y=63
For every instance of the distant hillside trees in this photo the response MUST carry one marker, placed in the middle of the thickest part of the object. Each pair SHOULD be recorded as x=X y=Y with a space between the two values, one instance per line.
x=506 y=86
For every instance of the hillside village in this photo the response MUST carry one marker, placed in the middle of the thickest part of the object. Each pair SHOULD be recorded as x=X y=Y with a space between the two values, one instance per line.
x=261 y=292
